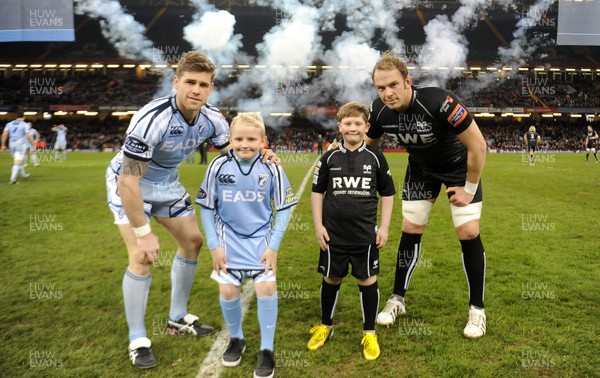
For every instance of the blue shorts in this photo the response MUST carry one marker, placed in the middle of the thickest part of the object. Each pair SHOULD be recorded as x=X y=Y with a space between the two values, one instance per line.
x=163 y=200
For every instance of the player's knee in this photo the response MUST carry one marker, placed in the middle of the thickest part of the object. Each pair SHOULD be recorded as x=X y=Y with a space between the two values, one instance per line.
x=415 y=214
x=229 y=292
x=333 y=280
x=367 y=281
x=461 y=215
x=18 y=158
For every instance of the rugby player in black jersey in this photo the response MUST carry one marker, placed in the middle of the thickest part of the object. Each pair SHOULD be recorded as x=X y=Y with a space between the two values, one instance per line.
x=591 y=142
x=446 y=147
x=532 y=140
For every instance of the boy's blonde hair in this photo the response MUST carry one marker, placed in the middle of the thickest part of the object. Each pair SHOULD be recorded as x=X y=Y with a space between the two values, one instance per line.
x=389 y=61
x=250 y=118
x=353 y=109
x=194 y=61
x=532 y=129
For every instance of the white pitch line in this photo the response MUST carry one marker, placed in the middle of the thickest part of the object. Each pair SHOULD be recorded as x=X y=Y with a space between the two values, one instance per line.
x=211 y=366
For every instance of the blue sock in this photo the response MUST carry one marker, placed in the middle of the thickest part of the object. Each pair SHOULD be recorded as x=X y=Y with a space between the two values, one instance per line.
x=267 y=318
x=182 y=277
x=135 y=296
x=232 y=313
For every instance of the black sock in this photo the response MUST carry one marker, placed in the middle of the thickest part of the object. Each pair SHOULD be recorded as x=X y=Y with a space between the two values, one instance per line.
x=329 y=296
x=409 y=250
x=369 y=300
x=587 y=156
x=473 y=256
x=596 y=155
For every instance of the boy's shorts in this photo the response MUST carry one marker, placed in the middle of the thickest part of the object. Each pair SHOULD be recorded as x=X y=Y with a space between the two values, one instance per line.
x=236 y=277
x=364 y=259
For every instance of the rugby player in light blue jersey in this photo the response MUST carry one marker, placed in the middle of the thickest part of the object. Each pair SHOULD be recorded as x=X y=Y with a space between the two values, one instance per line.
x=60 y=144
x=31 y=147
x=143 y=182
x=242 y=234
x=15 y=132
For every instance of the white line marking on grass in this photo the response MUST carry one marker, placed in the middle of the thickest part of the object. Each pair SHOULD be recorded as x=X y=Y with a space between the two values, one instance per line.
x=212 y=366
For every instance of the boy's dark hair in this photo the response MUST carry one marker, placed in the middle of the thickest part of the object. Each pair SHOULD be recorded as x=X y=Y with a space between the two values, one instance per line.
x=389 y=61
x=353 y=109
x=195 y=62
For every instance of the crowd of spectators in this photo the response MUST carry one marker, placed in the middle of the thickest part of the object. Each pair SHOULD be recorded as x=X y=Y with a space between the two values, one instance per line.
x=133 y=89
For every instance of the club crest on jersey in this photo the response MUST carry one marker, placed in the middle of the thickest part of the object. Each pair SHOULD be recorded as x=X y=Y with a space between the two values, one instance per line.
x=366 y=168
x=263 y=179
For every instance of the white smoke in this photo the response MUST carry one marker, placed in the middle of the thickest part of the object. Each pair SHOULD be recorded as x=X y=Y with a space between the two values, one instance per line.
x=211 y=32
x=120 y=29
x=520 y=48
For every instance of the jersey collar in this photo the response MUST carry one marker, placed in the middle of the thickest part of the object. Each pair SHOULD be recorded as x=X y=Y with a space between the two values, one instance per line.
x=362 y=147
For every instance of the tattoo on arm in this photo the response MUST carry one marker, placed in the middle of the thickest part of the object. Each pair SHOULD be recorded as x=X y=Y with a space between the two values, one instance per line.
x=133 y=167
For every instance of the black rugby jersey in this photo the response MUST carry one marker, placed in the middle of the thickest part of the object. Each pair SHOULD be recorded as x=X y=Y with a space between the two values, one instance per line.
x=427 y=129
x=351 y=181
x=532 y=137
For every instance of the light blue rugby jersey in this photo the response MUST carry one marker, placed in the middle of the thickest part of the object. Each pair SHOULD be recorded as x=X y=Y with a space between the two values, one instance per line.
x=16 y=132
x=242 y=201
x=33 y=132
x=159 y=133
x=61 y=135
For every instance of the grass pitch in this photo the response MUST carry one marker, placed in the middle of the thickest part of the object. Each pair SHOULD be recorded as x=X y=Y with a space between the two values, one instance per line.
x=63 y=262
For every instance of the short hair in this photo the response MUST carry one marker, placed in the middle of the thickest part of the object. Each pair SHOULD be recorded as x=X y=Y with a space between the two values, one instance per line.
x=249 y=118
x=532 y=129
x=195 y=62
x=353 y=109
x=389 y=61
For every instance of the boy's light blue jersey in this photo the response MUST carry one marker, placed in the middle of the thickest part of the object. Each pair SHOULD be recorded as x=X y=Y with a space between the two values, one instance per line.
x=61 y=135
x=16 y=134
x=241 y=196
x=159 y=133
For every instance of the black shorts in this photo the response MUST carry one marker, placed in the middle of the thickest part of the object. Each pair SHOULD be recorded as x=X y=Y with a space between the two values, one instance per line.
x=335 y=260
x=532 y=147
x=590 y=145
x=422 y=185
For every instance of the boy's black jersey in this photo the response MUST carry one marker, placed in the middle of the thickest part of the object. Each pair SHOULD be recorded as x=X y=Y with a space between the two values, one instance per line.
x=427 y=129
x=351 y=181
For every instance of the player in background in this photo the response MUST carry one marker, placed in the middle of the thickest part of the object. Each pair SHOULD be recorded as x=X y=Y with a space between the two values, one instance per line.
x=31 y=147
x=532 y=141
x=345 y=220
x=445 y=147
x=15 y=132
x=60 y=144
x=591 y=143
x=246 y=247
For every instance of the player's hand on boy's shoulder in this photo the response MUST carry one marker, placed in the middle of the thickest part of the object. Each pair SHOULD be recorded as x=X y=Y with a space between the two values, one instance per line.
x=270 y=259
x=219 y=260
x=269 y=156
